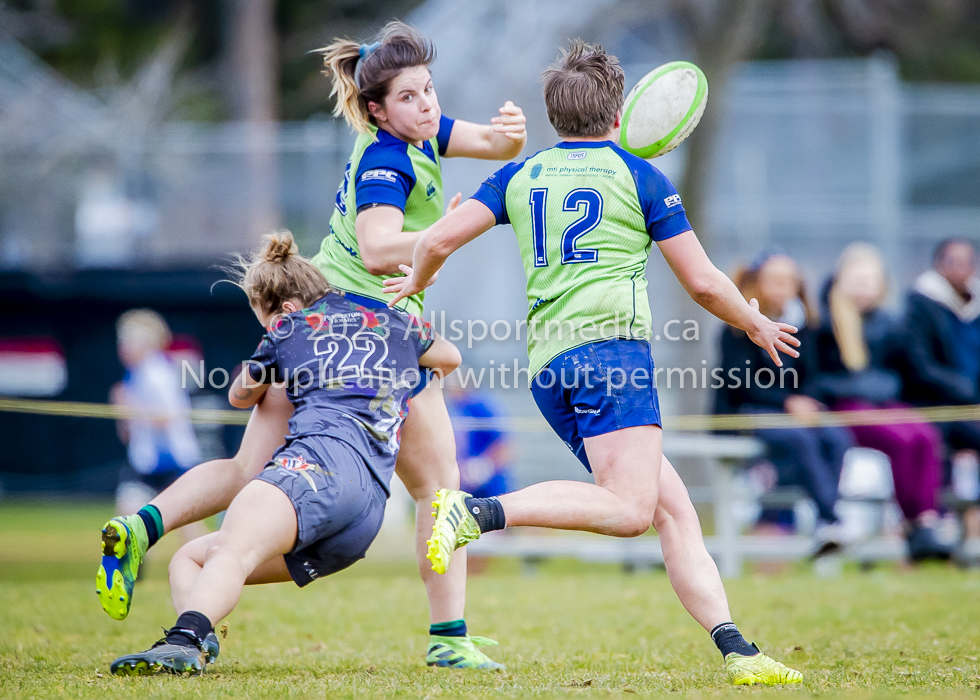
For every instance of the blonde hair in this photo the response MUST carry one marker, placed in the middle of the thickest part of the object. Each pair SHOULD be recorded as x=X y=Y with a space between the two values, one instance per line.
x=145 y=326
x=845 y=317
x=277 y=273
x=363 y=73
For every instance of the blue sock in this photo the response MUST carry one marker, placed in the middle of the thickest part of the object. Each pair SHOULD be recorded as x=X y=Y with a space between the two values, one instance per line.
x=728 y=639
x=150 y=515
x=455 y=628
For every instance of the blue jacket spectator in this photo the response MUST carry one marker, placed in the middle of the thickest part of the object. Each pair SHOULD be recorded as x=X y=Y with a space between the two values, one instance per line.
x=943 y=339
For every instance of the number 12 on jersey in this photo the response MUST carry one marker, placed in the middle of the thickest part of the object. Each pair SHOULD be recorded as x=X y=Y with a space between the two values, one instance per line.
x=574 y=201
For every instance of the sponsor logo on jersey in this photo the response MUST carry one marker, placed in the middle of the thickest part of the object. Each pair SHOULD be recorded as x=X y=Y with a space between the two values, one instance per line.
x=576 y=155
x=593 y=411
x=673 y=200
x=380 y=174
x=536 y=170
x=430 y=191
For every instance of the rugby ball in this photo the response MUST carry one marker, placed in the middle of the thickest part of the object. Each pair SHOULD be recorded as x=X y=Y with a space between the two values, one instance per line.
x=663 y=109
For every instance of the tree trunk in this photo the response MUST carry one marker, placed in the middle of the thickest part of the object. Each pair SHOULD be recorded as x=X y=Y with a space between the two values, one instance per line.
x=253 y=100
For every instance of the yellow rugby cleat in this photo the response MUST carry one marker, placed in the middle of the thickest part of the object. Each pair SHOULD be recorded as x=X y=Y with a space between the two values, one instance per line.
x=749 y=670
x=454 y=527
x=124 y=543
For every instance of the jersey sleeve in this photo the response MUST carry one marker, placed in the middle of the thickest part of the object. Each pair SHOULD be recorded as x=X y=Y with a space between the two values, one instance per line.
x=263 y=367
x=493 y=192
x=662 y=209
x=385 y=176
x=445 y=131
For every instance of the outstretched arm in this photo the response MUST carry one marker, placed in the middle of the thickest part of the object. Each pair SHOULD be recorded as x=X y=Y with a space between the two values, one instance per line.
x=436 y=244
x=502 y=139
x=711 y=288
x=382 y=243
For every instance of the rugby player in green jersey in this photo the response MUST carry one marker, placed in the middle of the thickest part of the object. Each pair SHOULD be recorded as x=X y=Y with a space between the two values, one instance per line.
x=586 y=214
x=392 y=190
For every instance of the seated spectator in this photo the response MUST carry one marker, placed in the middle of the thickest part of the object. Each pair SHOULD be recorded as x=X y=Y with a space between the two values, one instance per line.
x=809 y=457
x=858 y=349
x=943 y=340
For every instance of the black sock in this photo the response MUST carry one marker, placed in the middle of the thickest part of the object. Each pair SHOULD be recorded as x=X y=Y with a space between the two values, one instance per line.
x=728 y=639
x=190 y=629
x=150 y=515
x=488 y=512
x=456 y=628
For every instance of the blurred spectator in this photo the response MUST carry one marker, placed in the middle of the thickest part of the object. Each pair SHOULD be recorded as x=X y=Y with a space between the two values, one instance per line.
x=859 y=348
x=943 y=340
x=484 y=454
x=159 y=449
x=809 y=457
x=210 y=436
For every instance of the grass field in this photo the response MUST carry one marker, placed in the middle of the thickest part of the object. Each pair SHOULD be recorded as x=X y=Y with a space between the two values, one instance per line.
x=568 y=630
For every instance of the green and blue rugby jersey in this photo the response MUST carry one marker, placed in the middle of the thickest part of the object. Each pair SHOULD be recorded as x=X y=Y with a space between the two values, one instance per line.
x=385 y=171
x=586 y=215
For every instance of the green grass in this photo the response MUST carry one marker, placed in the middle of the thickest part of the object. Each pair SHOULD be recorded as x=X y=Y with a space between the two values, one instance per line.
x=569 y=630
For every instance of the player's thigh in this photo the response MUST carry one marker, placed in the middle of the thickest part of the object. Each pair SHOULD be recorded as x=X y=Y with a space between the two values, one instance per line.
x=266 y=431
x=260 y=524
x=628 y=463
x=427 y=457
x=272 y=571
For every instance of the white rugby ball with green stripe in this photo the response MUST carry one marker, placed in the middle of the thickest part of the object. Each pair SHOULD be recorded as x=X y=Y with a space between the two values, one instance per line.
x=663 y=109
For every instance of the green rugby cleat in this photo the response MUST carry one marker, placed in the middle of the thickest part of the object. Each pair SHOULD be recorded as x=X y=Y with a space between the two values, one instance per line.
x=124 y=543
x=749 y=670
x=454 y=527
x=460 y=652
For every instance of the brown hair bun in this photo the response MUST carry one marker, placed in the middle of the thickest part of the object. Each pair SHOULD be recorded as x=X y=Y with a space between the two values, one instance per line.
x=278 y=247
x=277 y=273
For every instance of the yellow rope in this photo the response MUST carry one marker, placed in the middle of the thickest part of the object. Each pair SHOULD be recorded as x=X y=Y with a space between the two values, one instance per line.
x=696 y=423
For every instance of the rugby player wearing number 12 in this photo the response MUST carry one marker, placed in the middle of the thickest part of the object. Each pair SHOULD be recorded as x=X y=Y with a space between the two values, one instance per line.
x=586 y=214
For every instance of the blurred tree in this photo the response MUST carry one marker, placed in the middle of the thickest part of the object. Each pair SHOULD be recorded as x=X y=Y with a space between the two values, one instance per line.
x=245 y=57
x=932 y=39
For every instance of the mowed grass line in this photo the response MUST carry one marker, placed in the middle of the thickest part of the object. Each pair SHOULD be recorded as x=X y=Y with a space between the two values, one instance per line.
x=570 y=630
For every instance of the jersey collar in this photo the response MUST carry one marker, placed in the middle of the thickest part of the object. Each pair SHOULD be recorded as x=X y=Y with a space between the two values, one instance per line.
x=584 y=144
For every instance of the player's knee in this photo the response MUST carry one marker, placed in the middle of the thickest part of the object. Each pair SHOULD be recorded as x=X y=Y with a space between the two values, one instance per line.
x=188 y=554
x=635 y=521
x=422 y=486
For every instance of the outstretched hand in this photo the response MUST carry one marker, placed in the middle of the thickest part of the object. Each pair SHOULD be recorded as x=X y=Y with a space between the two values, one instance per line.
x=405 y=286
x=511 y=122
x=772 y=336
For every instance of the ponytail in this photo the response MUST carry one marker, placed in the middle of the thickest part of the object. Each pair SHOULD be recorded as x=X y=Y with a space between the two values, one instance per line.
x=363 y=73
x=340 y=61
x=277 y=273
